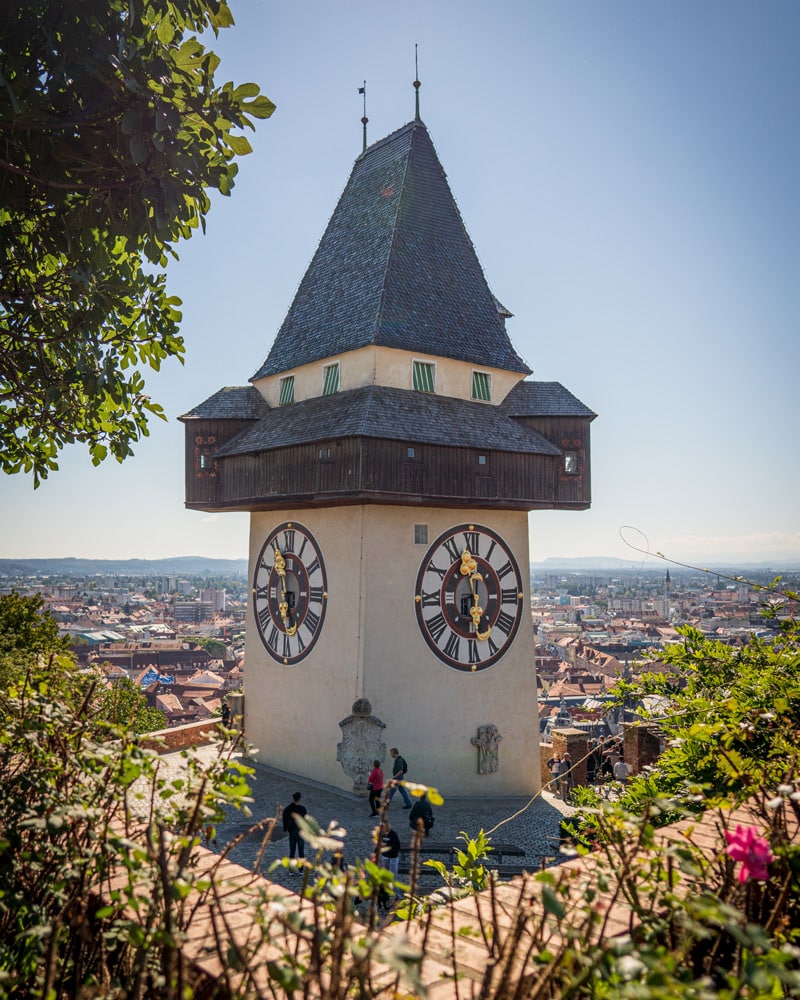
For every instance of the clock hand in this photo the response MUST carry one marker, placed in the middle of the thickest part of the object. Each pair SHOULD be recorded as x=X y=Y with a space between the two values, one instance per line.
x=469 y=567
x=283 y=604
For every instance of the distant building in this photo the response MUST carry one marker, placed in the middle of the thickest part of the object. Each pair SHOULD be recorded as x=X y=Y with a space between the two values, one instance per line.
x=193 y=611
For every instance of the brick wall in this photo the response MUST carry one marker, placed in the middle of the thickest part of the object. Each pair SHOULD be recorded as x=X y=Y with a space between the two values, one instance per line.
x=180 y=737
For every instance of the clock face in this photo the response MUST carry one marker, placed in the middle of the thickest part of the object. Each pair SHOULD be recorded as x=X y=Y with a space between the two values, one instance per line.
x=468 y=597
x=290 y=593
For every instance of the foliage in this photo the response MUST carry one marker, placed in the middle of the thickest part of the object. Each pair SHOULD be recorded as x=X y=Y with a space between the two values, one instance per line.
x=24 y=627
x=124 y=705
x=96 y=853
x=215 y=648
x=733 y=722
x=113 y=133
x=468 y=873
x=33 y=654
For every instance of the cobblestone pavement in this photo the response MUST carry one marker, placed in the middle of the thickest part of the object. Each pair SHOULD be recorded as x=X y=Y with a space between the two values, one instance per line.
x=531 y=825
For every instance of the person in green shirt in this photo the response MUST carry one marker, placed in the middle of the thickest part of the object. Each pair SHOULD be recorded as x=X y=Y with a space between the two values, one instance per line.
x=399 y=768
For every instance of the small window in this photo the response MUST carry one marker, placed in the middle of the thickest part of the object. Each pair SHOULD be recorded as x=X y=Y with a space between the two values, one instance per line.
x=206 y=460
x=424 y=376
x=287 y=390
x=420 y=534
x=411 y=453
x=481 y=460
x=571 y=463
x=330 y=379
x=482 y=386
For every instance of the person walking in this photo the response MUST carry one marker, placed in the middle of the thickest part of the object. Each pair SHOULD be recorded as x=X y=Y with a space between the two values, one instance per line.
x=554 y=764
x=566 y=777
x=375 y=786
x=296 y=843
x=399 y=768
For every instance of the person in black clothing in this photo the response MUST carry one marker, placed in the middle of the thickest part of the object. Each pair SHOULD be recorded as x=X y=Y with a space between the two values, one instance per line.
x=421 y=810
x=390 y=856
x=226 y=714
x=296 y=843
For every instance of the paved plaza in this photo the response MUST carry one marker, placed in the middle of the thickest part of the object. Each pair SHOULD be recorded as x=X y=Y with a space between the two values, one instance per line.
x=532 y=825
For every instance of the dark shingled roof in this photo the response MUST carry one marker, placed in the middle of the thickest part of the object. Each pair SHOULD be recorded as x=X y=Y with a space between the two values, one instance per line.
x=234 y=402
x=396 y=414
x=395 y=268
x=543 y=399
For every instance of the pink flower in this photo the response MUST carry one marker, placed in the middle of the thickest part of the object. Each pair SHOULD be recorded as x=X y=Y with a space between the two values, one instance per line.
x=747 y=846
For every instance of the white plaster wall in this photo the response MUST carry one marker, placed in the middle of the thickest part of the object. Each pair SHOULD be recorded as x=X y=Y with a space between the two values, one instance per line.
x=385 y=366
x=371 y=647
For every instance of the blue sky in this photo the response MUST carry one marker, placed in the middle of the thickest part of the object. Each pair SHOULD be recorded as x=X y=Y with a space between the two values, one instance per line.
x=628 y=173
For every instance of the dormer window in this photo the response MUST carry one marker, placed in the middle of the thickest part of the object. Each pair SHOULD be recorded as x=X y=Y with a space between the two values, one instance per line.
x=287 y=390
x=571 y=467
x=424 y=376
x=482 y=386
x=330 y=379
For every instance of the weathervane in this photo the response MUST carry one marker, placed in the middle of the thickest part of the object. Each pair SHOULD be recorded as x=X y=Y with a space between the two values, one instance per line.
x=417 y=85
x=364 y=119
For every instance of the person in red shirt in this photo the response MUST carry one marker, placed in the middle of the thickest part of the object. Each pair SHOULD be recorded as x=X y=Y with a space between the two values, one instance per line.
x=375 y=786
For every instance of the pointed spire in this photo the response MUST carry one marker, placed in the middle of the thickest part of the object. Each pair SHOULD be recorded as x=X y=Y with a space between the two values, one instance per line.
x=417 y=85
x=364 y=119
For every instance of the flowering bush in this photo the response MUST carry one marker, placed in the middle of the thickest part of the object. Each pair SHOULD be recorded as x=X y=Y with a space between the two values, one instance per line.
x=748 y=847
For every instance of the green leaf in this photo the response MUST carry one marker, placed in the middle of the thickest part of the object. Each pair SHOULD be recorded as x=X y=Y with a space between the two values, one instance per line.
x=552 y=904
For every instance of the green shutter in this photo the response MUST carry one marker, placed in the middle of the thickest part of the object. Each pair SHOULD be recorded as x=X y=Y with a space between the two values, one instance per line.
x=481 y=386
x=287 y=390
x=330 y=383
x=423 y=375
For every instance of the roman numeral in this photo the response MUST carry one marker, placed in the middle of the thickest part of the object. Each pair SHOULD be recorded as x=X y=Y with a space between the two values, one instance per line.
x=287 y=646
x=262 y=592
x=492 y=547
x=509 y=596
x=263 y=617
x=303 y=547
x=441 y=573
x=272 y=641
x=452 y=646
x=474 y=655
x=316 y=595
x=312 y=620
x=452 y=549
x=436 y=626
x=312 y=569
x=288 y=540
x=472 y=541
x=492 y=647
x=430 y=600
x=504 y=622
x=505 y=570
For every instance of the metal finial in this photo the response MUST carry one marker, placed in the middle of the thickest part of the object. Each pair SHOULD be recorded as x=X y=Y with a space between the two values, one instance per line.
x=364 y=119
x=417 y=85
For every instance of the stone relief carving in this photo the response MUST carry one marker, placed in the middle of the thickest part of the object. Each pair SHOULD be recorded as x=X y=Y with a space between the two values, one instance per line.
x=487 y=741
x=361 y=744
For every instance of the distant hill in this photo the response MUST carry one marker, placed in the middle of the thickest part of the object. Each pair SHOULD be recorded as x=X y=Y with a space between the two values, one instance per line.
x=175 y=566
x=577 y=564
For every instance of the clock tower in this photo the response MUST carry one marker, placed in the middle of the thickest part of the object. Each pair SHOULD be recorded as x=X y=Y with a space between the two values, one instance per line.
x=390 y=449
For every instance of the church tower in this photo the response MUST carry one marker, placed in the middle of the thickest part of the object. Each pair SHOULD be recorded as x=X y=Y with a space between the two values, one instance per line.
x=389 y=450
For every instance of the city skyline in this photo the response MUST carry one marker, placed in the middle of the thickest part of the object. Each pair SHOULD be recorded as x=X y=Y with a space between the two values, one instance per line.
x=628 y=177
